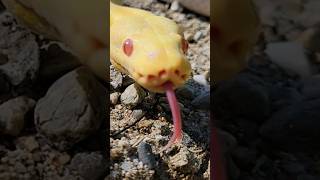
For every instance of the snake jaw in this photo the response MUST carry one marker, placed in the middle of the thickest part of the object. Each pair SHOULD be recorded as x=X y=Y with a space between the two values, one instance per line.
x=156 y=82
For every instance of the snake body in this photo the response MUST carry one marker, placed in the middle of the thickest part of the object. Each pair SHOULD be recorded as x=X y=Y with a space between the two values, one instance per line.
x=148 y=48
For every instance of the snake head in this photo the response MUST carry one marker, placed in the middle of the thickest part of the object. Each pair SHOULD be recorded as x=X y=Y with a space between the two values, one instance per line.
x=151 y=49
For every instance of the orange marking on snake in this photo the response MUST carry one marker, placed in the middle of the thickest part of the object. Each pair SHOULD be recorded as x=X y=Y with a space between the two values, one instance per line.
x=151 y=77
x=162 y=72
x=177 y=72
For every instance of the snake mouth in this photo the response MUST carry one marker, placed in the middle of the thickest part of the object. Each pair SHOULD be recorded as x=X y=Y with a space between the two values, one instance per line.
x=160 y=88
x=157 y=82
x=163 y=86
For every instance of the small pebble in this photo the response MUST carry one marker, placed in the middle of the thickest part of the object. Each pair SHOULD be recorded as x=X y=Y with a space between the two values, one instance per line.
x=114 y=97
x=174 y=6
x=146 y=156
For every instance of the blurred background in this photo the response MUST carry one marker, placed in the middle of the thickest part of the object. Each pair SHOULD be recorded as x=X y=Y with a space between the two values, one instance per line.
x=269 y=112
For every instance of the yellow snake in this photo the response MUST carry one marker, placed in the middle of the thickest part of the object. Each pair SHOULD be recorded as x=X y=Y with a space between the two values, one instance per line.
x=149 y=48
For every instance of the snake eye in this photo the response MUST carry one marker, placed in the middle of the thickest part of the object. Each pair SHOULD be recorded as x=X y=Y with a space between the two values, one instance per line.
x=184 y=46
x=128 y=47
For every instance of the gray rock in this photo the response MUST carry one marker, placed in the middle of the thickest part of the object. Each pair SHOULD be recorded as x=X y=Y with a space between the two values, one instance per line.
x=137 y=114
x=20 y=168
x=202 y=101
x=185 y=92
x=116 y=78
x=244 y=157
x=133 y=95
x=146 y=156
x=114 y=97
x=232 y=169
x=200 y=6
x=73 y=107
x=290 y=56
x=91 y=166
x=307 y=177
x=296 y=124
x=310 y=15
x=12 y=114
x=197 y=36
x=127 y=166
x=243 y=96
x=20 y=49
x=228 y=141
x=185 y=162
x=174 y=6
x=311 y=87
x=247 y=130
x=201 y=79
x=293 y=168
x=28 y=142
x=284 y=96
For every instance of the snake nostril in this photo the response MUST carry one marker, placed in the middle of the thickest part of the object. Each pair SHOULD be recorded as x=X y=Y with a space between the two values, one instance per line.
x=151 y=77
x=177 y=72
x=183 y=76
x=162 y=72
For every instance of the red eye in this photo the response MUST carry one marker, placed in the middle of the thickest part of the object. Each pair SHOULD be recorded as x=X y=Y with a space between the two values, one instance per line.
x=128 y=47
x=184 y=46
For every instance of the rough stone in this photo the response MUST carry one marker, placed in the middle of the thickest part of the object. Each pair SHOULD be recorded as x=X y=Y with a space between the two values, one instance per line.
x=20 y=49
x=89 y=165
x=201 y=6
x=290 y=56
x=133 y=95
x=12 y=114
x=114 y=97
x=29 y=143
x=242 y=97
x=146 y=156
x=116 y=78
x=184 y=161
x=73 y=107
x=296 y=124
x=202 y=101
x=311 y=87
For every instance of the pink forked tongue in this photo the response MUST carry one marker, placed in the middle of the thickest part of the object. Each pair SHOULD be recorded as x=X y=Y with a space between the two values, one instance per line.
x=175 y=110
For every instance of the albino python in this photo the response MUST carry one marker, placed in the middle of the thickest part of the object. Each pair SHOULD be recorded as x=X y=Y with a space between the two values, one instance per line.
x=148 y=48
